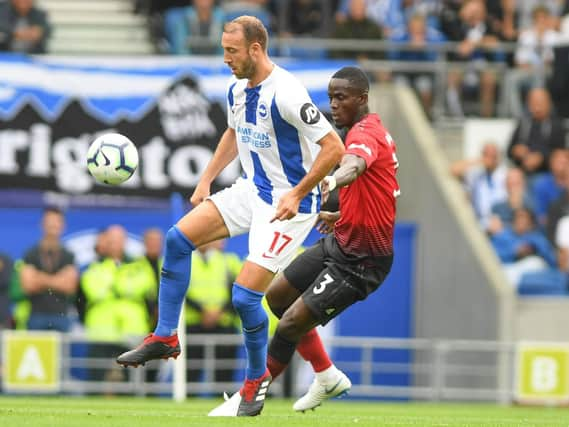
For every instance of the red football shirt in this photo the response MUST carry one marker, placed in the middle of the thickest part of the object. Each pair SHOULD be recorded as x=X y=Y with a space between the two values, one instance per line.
x=367 y=205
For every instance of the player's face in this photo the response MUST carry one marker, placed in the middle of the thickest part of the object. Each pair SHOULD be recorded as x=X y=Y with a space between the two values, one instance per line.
x=236 y=54
x=345 y=102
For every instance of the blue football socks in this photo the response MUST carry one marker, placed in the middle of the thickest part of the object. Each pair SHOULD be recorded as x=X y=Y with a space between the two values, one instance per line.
x=255 y=328
x=174 y=281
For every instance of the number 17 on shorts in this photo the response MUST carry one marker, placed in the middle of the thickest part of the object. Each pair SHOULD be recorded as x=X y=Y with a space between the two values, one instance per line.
x=274 y=245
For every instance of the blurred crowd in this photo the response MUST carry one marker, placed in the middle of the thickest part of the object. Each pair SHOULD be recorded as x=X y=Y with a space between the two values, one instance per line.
x=114 y=297
x=521 y=198
x=488 y=37
x=482 y=39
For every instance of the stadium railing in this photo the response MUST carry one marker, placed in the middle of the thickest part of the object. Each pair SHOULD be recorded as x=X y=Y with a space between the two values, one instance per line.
x=391 y=368
x=439 y=68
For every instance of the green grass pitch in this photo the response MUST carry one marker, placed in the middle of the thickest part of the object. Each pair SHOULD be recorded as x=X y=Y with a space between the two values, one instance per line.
x=152 y=412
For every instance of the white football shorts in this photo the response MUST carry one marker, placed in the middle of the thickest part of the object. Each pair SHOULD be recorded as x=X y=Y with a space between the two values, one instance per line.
x=271 y=245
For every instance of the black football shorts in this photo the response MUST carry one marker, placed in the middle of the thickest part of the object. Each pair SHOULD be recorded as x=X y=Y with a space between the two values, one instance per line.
x=330 y=280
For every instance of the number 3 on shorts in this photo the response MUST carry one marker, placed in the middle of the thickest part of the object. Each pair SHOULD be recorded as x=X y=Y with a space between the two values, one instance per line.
x=321 y=287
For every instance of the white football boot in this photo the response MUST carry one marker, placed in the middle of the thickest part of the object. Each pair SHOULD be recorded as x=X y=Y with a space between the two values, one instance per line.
x=228 y=408
x=336 y=385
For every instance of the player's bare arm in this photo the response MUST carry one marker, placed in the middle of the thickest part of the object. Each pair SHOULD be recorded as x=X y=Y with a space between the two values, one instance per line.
x=329 y=156
x=224 y=154
x=350 y=168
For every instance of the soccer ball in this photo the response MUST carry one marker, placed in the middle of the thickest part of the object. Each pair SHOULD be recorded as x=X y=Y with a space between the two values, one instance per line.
x=112 y=158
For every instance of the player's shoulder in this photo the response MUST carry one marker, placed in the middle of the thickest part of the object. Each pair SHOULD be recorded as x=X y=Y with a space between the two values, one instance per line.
x=370 y=125
x=287 y=85
x=370 y=121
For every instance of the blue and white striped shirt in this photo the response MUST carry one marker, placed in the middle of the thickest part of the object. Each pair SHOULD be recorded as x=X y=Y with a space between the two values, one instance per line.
x=276 y=127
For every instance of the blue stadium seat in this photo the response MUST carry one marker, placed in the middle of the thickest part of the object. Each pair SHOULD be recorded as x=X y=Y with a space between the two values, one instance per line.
x=545 y=282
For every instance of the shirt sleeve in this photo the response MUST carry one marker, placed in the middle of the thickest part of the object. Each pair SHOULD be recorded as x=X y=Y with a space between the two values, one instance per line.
x=230 y=103
x=296 y=108
x=362 y=145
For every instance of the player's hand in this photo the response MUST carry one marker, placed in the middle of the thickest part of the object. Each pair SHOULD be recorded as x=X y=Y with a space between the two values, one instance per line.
x=327 y=221
x=200 y=194
x=287 y=207
x=325 y=190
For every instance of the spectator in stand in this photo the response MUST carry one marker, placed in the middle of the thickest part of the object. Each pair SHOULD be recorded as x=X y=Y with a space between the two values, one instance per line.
x=6 y=268
x=24 y=27
x=522 y=248
x=157 y=6
x=208 y=305
x=555 y=10
x=564 y=25
x=303 y=18
x=518 y=197
x=49 y=277
x=420 y=36
x=118 y=292
x=558 y=83
x=549 y=186
x=533 y=59
x=503 y=16
x=393 y=15
x=400 y=12
x=557 y=210
x=357 y=26
x=536 y=136
x=484 y=179
x=203 y=21
x=477 y=47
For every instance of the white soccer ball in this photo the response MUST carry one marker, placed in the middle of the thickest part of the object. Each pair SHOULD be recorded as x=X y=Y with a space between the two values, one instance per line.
x=112 y=158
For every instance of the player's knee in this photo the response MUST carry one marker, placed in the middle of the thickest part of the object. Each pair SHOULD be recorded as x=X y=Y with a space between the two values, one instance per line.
x=245 y=300
x=176 y=242
x=290 y=325
x=274 y=304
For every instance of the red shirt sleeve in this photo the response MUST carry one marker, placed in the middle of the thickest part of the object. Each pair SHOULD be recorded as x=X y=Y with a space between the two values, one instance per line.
x=362 y=145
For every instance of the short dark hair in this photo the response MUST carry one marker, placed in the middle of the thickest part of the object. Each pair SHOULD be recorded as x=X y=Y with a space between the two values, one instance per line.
x=355 y=76
x=53 y=209
x=253 y=30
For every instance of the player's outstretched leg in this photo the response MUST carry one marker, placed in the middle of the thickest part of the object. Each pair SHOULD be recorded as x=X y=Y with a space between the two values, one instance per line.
x=329 y=381
x=250 y=399
x=174 y=281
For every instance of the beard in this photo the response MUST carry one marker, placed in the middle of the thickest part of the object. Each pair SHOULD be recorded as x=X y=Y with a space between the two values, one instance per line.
x=247 y=70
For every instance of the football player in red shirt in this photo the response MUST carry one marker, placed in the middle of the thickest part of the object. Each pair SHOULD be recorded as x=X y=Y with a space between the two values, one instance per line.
x=356 y=255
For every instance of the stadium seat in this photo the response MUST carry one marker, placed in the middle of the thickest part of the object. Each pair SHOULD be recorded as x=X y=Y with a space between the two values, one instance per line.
x=545 y=282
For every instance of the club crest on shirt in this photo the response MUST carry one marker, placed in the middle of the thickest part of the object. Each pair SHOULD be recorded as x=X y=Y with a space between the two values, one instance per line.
x=263 y=110
x=309 y=114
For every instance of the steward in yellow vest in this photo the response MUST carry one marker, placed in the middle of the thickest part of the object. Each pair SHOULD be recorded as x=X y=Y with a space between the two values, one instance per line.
x=208 y=305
